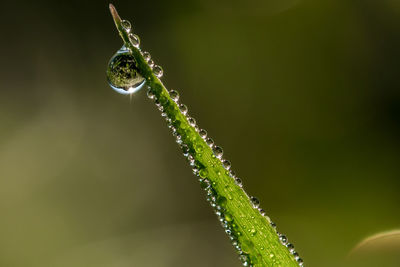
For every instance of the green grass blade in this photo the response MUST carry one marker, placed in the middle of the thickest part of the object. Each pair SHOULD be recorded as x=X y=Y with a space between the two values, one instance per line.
x=250 y=231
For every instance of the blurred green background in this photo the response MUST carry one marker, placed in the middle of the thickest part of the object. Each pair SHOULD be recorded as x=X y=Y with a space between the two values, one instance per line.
x=303 y=95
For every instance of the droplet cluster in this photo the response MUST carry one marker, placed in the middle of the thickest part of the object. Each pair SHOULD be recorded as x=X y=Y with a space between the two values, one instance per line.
x=187 y=142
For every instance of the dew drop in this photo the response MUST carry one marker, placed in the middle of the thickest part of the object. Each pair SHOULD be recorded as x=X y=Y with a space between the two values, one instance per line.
x=238 y=182
x=151 y=63
x=123 y=74
x=226 y=164
x=255 y=202
x=126 y=25
x=192 y=121
x=253 y=232
x=203 y=133
x=146 y=56
x=290 y=247
x=158 y=71
x=203 y=173
x=218 y=152
x=210 y=142
x=134 y=39
x=262 y=212
x=183 y=108
x=283 y=239
x=174 y=95
x=150 y=94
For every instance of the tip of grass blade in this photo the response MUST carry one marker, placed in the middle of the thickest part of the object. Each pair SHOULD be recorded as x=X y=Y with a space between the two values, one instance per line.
x=114 y=13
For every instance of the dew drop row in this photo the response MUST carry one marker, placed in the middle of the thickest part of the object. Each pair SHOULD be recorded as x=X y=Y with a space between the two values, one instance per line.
x=169 y=111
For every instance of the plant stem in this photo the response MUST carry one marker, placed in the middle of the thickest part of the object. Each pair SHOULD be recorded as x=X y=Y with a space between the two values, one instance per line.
x=250 y=231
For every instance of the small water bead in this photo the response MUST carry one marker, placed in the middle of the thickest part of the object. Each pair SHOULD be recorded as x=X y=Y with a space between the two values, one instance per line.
x=146 y=56
x=123 y=74
x=218 y=152
x=283 y=239
x=290 y=247
x=158 y=71
x=183 y=108
x=210 y=142
x=174 y=95
x=203 y=173
x=253 y=232
x=192 y=121
x=150 y=62
x=262 y=212
x=126 y=25
x=238 y=182
x=203 y=133
x=226 y=164
x=134 y=39
x=273 y=225
x=255 y=202
x=150 y=94
x=300 y=261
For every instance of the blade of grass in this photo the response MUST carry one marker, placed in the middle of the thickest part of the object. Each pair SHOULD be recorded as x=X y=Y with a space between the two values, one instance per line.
x=249 y=229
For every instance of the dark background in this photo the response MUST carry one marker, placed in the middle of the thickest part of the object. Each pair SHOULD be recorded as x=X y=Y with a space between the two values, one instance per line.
x=303 y=95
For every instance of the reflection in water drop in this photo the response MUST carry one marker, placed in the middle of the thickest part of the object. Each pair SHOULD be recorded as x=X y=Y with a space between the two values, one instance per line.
x=123 y=74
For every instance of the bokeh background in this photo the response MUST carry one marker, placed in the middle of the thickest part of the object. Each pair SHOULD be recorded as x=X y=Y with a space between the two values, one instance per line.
x=303 y=95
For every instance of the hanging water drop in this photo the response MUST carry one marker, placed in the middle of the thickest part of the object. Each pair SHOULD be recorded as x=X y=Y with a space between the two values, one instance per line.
x=123 y=74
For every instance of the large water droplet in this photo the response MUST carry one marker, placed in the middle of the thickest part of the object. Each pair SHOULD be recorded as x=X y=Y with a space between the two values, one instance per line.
x=123 y=74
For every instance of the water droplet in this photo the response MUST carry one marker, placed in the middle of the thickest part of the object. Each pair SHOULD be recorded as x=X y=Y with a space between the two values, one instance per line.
x=192 y=121
x=283 y=239
x=238 y=182
x=253 y=232
x=158 y=71
x=226 y=164
x=203 y=133
x=123 y=74
x=273 y=225
x=134 y=39
x=218 y=152
x=183 y=108
x=174 y=95
x=228 y=217
x=255 y=202
x=210 y=142
x=203 y=173
x=146 y=56
x=262 y=212
x=150 y=94
x=300 y=261
x=290 y=247
x=151 y=63
x=126 y=25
